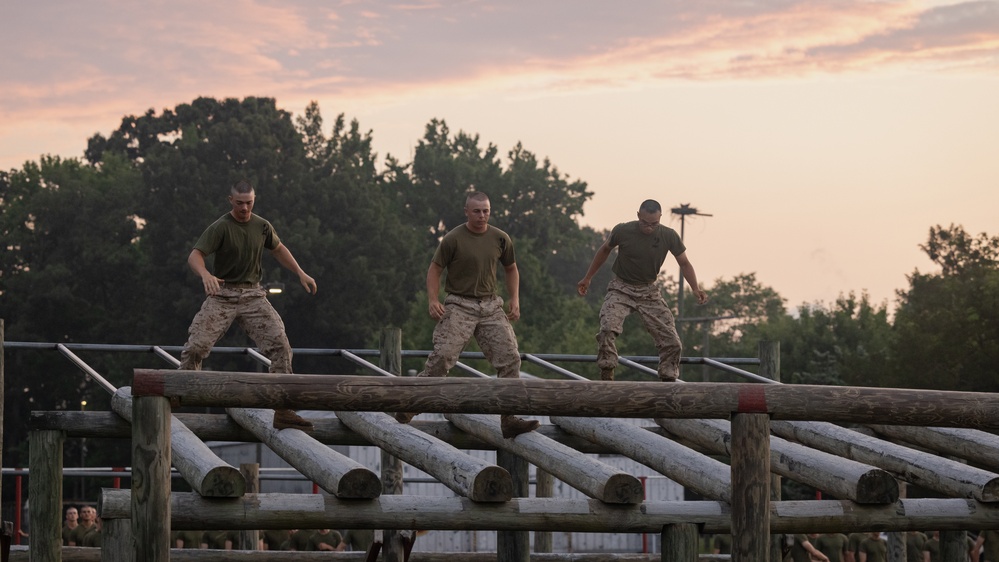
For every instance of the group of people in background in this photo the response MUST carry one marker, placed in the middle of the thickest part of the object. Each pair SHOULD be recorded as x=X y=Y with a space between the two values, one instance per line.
x=81 y=527
x=870 y=547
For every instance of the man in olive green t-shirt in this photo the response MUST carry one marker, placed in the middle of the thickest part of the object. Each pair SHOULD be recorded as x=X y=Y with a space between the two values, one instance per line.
x=469 y=253
x=642 y=248
x=233 y=291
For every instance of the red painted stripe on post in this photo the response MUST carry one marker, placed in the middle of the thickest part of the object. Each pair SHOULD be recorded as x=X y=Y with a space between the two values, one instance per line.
x=752 y=399
x=148 y=383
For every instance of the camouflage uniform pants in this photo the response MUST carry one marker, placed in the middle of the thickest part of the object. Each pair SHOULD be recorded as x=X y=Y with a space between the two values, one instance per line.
x=621 y=300
x=255 y=315
x=485 y=320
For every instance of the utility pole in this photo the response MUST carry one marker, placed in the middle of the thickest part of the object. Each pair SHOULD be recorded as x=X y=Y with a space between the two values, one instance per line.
x=683 y=210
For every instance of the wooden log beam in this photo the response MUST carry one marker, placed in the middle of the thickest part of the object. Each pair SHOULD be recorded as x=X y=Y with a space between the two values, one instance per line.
x=572 y=398
x=704 y=475
x=586 y=474
x=949 y=477
x=979 y=447
x=287 y=511
x=207 y=474
x=336 y=473
x=750 y=487
x=464 y=474
x=329 y=431
x=80 y=554
x=841 y=477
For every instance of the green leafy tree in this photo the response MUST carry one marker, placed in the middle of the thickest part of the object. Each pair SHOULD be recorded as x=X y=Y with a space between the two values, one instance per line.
x=947 y=323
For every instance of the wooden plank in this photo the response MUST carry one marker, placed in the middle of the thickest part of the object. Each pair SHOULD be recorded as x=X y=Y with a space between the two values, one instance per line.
x=45 y=462
x=948 y=477
x=207 y=474
x=573 y=398
x=704 y=475
x=150 y=503
x=464 y=474
x=336 y=473
x=841 y=477
x=293 y=511
x=116 y=541
x=586 y=474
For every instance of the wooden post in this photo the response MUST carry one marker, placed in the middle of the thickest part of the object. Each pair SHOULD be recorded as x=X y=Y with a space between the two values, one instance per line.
x=679 y=543
x=514 y=546
x=151 y=478
x=769 y=352
x=207 y=474
x=116 y=542
x=750 y=487
x=250 y=539
x=953 y=546
x=45 y=490
x=543 y=489
x=390 y=359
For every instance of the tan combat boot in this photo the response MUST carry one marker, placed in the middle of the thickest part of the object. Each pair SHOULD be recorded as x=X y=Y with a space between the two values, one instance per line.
x=512 y=426
x=288 y=419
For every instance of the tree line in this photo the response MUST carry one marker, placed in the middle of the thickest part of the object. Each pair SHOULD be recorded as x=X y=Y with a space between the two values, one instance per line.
x=96 y=248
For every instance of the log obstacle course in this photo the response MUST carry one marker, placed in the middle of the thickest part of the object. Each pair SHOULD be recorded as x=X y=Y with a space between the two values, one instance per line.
x=692 y=422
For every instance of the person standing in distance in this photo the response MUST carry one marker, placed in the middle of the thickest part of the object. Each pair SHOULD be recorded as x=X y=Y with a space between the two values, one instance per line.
x=642 y=248
x=469 y=254
x=233 y=291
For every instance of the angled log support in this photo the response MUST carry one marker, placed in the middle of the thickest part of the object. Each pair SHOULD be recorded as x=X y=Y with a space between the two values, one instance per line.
x=832 y=474
x=704 y=475
x=586 y=474
x=464 y=474
x=949 y=477
x=337 y=474
x=207 y=474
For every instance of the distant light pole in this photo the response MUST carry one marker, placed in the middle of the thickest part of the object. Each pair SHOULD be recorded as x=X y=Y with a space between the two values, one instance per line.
x=683 y=210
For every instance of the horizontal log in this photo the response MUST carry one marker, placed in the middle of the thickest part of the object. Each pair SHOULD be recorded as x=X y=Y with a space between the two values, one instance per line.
x=307 y=511
x=330 y=431
x=572 y=398
x=464 y=474
x=841 y=477
x=706 y=476
x=948 y=477
x=586 y=474
x=336 y=473
x=207 y=474
x=80 y=554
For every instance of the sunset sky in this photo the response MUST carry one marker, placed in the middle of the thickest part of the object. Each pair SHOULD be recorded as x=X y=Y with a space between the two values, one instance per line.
x=825 y=137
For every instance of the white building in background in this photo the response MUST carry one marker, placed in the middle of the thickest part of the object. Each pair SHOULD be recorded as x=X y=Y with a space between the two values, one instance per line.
x=276 y=476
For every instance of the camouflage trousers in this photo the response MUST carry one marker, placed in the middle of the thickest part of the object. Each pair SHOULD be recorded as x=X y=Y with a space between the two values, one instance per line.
x=484 y=319
x=621 y=300
x=256 y=317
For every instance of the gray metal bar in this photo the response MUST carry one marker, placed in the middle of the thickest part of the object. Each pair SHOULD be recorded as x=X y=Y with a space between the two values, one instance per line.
x=640 y=368
x=365 y=363
x=166 y=356
x=258 y=356
x=86 y=369
x=739 y=372
x=552 y=367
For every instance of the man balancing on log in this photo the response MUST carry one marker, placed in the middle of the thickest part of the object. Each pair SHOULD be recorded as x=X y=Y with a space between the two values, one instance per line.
x=472 y=307
x=233 y=292
x=642 y=248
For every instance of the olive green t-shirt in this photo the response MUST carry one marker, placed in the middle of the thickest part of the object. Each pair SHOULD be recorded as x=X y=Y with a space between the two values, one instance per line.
x=470 y=260
x=640 y=256
x=833 y=545
x=238 y=247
